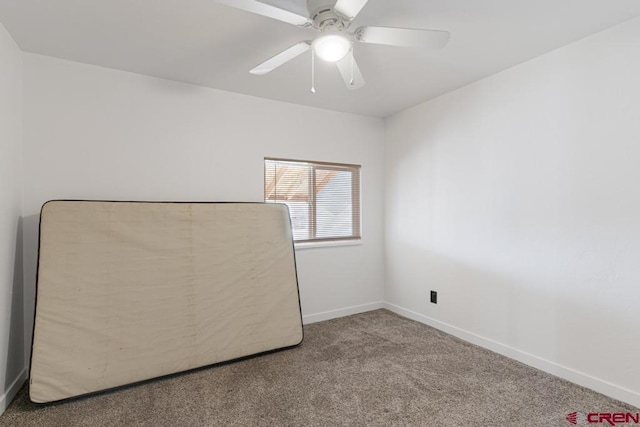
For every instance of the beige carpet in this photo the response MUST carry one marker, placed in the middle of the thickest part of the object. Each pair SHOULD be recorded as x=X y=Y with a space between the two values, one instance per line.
x=372 y=369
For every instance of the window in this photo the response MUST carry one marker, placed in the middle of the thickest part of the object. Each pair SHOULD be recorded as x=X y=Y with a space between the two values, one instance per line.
x=323 y=198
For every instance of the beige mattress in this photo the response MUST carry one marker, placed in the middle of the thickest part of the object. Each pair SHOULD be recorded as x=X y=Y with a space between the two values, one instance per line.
x=128 y=291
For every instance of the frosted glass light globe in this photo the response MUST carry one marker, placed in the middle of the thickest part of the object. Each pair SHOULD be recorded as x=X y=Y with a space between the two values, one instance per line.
x=331 y=47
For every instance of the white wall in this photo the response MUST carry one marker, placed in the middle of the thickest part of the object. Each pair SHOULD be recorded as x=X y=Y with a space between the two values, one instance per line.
x=96 y=133
x=517 y=198
x=12 y=373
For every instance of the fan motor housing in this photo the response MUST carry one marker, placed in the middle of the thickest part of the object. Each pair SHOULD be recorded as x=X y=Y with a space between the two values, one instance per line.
x=323 y=15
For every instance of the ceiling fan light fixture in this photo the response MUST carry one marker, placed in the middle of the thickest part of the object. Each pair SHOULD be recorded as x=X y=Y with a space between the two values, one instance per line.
x=332 y=19
x=331 y=47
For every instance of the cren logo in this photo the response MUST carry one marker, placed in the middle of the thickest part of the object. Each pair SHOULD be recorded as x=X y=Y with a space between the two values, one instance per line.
x=613 y=418
x=607 y=418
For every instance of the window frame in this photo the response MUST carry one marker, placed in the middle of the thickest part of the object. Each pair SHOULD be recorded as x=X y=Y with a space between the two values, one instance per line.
x=356 y=199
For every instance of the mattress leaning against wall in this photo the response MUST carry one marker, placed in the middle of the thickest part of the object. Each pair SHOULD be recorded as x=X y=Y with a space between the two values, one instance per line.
x=129 y=291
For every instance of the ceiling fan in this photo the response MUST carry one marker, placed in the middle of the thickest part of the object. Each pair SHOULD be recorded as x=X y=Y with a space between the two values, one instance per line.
x=335 y=41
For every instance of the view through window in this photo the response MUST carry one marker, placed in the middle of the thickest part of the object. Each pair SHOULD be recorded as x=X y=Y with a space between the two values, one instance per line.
x=323 y=198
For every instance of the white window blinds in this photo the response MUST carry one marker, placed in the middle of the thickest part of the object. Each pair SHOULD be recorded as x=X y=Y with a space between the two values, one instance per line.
x=323 y=198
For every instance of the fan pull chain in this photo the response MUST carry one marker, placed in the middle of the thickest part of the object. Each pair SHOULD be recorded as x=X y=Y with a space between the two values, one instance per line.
x=313 y=72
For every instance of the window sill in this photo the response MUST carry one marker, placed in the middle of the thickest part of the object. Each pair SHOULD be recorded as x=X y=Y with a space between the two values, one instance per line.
x=329 y=244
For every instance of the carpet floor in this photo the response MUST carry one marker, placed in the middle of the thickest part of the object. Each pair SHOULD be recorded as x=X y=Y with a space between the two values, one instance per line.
x=371 y=369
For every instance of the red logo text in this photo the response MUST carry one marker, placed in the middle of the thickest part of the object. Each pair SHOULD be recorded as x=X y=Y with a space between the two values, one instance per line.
x=610 y=418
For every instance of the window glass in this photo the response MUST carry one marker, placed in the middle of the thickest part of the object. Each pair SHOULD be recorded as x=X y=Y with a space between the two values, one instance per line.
x=323 y=198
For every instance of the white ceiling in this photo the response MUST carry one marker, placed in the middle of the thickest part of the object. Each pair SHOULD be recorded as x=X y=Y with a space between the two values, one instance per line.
x=209 y=44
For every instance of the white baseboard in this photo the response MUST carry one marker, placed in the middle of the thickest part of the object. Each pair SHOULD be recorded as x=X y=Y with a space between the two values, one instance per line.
x=12 y=390
x=608 y=389
x=341 y=312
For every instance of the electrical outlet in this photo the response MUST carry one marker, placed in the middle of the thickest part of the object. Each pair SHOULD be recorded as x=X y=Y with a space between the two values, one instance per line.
x=434 y=297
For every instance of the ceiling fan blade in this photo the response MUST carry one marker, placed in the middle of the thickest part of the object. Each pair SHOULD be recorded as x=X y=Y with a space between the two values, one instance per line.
x=431 y=39
x=350 y=72
x=269 y=11
x=281 y=58
x=349 y=9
